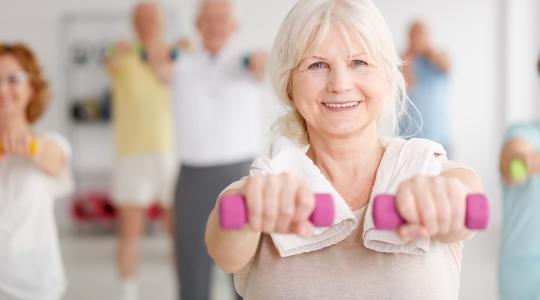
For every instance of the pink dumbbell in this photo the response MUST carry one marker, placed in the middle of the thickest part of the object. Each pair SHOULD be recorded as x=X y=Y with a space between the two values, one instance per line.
x=386 y=216
x=233 y=211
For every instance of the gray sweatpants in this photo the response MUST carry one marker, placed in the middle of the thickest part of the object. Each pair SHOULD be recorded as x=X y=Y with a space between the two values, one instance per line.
x=196 y=192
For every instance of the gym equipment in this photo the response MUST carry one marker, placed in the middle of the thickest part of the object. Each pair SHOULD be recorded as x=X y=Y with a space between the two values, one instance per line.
x=233 y=211
x=518 y=170
x=32 y=148
x=386 y=216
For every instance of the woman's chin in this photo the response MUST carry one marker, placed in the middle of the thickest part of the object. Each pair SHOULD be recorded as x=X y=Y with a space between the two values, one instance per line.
x=7 y=110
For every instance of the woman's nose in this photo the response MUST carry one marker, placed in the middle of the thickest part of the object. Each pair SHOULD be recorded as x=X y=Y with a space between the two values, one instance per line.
x=339 y=80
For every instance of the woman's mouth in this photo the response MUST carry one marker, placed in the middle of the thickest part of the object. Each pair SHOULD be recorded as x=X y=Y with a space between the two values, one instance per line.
x=341 y=106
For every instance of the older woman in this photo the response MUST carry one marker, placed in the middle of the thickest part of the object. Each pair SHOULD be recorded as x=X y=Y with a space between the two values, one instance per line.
x=335 y=66
x=33 y=170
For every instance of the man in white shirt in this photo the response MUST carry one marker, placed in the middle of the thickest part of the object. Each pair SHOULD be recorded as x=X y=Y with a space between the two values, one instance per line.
x=216 y=98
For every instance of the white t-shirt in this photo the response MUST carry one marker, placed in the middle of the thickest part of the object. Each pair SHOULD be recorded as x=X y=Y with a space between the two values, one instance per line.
x=30 y=262
x=216 y=109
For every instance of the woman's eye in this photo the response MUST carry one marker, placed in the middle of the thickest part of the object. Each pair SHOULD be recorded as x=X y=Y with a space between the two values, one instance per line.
x=16 y=78
x=318 y=66
x=13 y=79
x=358 y=63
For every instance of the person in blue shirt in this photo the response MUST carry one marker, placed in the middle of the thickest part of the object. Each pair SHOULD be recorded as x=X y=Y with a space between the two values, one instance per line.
x=519 y=262
x=426 y=74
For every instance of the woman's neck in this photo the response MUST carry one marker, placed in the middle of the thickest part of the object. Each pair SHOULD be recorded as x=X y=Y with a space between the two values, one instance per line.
x=349 y=163
x=14 y=122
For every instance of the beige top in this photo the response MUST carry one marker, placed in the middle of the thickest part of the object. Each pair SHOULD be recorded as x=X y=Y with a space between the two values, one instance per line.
x=348 y=270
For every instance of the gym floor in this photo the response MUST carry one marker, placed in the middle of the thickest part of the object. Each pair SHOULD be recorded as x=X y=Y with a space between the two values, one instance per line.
x=90 y=269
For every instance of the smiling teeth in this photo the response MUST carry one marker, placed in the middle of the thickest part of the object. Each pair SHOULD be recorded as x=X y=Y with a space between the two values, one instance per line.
x=341 y=105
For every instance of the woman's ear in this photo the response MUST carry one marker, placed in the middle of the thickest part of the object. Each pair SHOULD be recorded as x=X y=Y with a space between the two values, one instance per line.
x=289 y=92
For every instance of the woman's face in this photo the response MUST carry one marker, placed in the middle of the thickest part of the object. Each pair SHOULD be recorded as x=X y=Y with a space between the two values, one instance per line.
x=15 y=90
x=339 y=93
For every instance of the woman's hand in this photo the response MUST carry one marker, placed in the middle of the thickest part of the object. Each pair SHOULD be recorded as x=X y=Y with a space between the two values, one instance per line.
x=531 y=162
x=433 y=206
x=279 y=204
x=17 y=142
x=46 y=155
x=116 y=54
x=521 y=150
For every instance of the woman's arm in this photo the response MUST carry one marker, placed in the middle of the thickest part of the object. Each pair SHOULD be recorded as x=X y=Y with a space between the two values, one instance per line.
x=275 y=204
x=163 y=71
x=116 y=55
x=439 y=60
x=50 y=157
x=163 y=66
x=46 y=154
x=231 y=250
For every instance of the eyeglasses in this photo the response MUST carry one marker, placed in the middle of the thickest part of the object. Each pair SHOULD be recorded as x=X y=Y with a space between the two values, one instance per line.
x=14 y=79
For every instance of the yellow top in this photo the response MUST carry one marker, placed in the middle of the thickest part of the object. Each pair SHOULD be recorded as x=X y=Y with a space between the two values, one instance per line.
x=141 y=109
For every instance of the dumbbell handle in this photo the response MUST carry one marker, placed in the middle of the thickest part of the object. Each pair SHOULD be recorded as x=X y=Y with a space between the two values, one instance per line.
x=386 y=216
x=233 y=212
x=32 y=147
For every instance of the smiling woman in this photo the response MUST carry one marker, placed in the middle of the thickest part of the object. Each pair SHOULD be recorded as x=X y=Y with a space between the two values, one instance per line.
x=335 y=67
x=33 y=75
x=34 y=169
x=337 y=92
x=358 y=30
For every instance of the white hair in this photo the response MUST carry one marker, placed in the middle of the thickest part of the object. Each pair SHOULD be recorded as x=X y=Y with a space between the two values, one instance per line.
x=303 y=32
x=202 y=3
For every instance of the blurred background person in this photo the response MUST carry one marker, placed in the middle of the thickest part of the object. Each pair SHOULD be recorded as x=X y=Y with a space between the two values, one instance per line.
x=34 y=169
x=145 y=166
x=426 y=74
x=519 y=267
x=218 y=132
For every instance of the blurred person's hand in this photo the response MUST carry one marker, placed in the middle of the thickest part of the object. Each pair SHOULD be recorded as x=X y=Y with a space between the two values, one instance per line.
x=116 y=54
x=185 y=44
x=123 y=47
x=159 y=58
x=531 y=162
x=17 y=142
x=257 y=64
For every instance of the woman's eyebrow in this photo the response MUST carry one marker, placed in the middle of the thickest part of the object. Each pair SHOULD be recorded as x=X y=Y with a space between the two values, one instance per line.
x=317 y=57
x=359 y=54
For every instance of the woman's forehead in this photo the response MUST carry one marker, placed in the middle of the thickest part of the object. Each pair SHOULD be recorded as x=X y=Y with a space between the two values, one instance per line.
x=336 y=40
x=8 y=61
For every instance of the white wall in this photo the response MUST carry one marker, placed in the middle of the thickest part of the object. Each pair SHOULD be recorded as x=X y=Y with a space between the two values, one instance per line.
x=522 y=49
x=492 y=81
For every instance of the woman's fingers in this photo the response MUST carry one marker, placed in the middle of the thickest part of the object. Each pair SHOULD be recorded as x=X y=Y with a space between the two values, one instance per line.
x=433 y=205
x=279 y=203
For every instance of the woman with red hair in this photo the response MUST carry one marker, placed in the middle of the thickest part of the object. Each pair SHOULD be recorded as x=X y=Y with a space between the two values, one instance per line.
x=33 y=171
